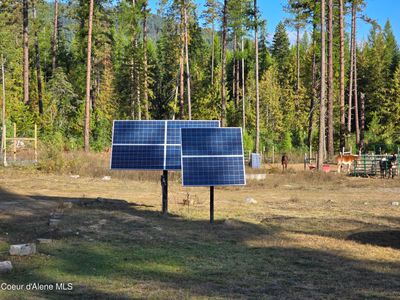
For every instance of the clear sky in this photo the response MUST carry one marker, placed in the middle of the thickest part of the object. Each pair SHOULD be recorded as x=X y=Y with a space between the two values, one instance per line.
x=379 y=10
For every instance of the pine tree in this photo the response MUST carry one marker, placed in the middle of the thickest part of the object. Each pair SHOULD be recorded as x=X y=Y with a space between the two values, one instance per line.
x=223 y=62
x=342 y=77
x=25 y=10
x=211 y=15
x=257 y=149
x=321 y=144
x=281 y=48
x=54 y=38
x=88 y=82
x=330 y=79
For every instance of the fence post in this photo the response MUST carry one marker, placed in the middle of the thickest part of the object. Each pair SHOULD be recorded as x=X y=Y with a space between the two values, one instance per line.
x=36 y=154
x=15 y=142
x=273 y=154
x=4 y=137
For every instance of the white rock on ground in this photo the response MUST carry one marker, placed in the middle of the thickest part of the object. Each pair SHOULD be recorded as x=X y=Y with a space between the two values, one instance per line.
x=75 y=176
x=250 y=200
x=23 y=249
x=5 y=266
x=395 y=203
x=106 y=178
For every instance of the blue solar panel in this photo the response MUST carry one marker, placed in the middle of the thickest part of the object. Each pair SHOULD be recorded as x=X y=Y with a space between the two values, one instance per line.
x=213 y=141
x=174 y=129
x=212 y=156
x=150 y=145
x=139 y=132
x=138 y=157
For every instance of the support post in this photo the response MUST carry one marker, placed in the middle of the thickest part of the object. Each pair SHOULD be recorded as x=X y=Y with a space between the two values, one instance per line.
x=15 y=143
x=35 y=145
x=211 y=204
x=164 y=186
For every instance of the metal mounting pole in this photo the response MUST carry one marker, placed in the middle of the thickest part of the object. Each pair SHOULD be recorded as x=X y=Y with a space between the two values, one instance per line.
x=164 y=186
x=211 y=204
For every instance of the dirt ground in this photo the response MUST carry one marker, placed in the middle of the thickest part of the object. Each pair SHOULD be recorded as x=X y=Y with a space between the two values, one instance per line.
x=294 y=235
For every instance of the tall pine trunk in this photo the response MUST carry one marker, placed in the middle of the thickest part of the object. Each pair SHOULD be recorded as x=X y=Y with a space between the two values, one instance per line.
x=181 y=69
x=54 y=39
x=298 y=58
x=356 y=109
x=137 y=70
x=352 y=43
x=314 y=88
x=88 y=83
x=237 y=79
x=234 y=91
x=257 y=85
x=186 y=37
x=321 y=142
x=341 y=80
x=362 y=129
x=132 y=88
x=330 y=79
x=25 y=14
x=37 y=62
x=223 y=65
x=243 y=91
x=3 y=109
x=212 y=54
x=145 y=67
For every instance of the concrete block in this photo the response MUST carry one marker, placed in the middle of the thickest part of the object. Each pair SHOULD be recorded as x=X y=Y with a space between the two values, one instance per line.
x=5 y=266
x=23 y=249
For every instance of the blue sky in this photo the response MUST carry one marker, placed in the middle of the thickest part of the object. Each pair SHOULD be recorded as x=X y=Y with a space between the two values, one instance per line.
x=380 y=10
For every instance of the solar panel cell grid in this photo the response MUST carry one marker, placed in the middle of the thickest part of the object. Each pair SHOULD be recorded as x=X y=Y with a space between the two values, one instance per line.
x=212 y=171
x=174 y=129
x=212 y=156
x=213 y=141
x=138 y=157
x=143 y=132
x=139 y=135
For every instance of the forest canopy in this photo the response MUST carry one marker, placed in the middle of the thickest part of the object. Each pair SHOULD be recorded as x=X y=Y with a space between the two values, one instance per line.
x=212 y=62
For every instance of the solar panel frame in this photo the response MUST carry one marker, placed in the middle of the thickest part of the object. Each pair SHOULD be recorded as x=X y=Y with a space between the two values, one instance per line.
x=169 y=163
x=241 y=156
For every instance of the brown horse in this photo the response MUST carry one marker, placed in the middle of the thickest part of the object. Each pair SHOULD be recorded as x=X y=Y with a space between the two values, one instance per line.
x=285 y=161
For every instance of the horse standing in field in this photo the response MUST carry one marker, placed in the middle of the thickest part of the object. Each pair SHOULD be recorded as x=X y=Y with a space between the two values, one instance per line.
x=388 y=166
x=284 y=161
x=392 y=166
x=383 y=166
x=347 y=159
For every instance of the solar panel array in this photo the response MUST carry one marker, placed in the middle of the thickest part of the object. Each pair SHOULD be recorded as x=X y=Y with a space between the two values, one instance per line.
x=150 y=145
x=212 y=157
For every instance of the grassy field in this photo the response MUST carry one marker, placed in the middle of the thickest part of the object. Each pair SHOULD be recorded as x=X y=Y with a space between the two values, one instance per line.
x=308 y=236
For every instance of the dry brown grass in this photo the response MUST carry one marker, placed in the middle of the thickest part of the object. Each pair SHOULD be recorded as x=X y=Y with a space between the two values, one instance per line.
x=310 y=235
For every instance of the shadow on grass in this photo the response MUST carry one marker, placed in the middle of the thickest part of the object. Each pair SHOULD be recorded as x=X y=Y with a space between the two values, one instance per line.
x=384 y=238
x=124 y=251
